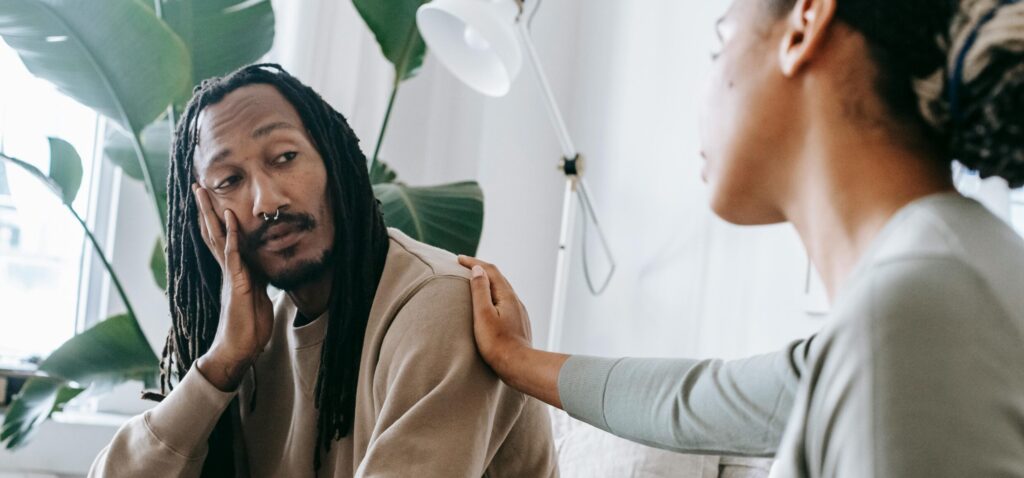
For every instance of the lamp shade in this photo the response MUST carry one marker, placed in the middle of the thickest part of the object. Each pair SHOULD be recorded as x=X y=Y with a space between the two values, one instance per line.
x=474 y=39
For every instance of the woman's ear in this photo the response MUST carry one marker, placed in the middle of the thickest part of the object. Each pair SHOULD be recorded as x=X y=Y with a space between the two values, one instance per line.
x=806 y=30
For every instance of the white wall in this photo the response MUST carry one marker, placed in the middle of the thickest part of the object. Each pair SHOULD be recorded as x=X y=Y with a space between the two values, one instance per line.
x=628 y=76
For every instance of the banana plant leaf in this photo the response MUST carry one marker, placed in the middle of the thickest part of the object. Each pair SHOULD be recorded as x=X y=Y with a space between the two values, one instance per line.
x=129 y=73
x=381 y=173
x=111 y=352
x=36 y=401
x=158 y=265
x=156 y=146
x=65 y=168
x=220 y=35
x=393 y=23
x=450 y=216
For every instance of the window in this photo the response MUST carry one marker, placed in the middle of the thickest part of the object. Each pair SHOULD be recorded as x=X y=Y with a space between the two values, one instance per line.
x=41 y=245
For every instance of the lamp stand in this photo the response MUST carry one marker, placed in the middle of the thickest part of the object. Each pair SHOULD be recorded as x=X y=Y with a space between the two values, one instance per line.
x=572 y=166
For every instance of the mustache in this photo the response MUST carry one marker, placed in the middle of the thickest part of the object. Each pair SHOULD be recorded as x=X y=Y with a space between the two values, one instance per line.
x=257 y=238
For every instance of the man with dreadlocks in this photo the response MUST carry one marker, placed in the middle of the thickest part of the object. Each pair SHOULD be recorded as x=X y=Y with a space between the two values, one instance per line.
x=364 y=365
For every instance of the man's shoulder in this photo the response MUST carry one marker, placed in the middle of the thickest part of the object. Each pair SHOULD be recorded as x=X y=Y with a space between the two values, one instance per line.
x=423 y=286
x=424 y=260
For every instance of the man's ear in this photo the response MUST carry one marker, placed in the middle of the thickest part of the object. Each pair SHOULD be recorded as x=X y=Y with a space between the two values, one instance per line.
x=806 y=30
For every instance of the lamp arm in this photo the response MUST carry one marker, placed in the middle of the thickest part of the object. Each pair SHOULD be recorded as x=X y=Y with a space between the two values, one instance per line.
x=575 y=190
x=554 y=114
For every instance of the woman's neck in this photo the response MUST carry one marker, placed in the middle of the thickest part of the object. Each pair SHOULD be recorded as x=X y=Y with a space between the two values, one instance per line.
x=848 y=187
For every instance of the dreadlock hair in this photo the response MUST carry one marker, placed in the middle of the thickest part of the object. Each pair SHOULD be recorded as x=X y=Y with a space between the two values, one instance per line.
x=359 y=251
x=951 y=69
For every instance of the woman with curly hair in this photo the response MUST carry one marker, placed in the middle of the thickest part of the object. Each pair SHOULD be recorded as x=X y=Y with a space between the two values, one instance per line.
x=842 y=117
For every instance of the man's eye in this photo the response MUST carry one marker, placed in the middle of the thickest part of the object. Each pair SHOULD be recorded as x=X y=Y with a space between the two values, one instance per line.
x=227 y=182
x=286 y=157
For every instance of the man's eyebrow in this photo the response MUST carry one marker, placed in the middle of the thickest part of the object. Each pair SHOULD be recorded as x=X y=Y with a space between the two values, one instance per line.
x=718 y=27
x=222 y=154
x=256 y=133
x=268 y=128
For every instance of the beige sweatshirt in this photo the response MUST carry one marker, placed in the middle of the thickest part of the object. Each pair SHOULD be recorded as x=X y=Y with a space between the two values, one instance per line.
x=427 y=405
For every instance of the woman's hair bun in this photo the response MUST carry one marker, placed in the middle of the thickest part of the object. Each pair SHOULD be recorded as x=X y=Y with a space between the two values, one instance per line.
x=984 y=88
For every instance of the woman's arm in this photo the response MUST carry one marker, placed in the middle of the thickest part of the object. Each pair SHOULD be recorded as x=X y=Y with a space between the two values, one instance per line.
x=699 y=406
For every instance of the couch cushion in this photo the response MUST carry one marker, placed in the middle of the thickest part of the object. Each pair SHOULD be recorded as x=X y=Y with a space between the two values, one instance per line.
x=587 y=452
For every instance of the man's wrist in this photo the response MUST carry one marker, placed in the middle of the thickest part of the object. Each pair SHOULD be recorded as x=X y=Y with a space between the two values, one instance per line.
x=225 y=375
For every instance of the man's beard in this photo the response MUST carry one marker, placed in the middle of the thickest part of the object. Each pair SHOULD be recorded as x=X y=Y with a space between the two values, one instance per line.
x=295 y=275
x=299 y=274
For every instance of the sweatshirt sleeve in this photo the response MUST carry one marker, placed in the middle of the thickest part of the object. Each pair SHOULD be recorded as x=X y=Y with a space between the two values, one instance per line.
x=443 y=412
x=716 y=407
x=170 y=440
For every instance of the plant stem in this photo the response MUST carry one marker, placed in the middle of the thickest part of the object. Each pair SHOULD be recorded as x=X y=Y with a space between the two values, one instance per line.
x=106 y=263
x=387 y=118
x=147 y=175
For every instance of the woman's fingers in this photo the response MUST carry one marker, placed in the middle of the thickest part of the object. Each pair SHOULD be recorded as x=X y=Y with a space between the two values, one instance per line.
x=480 y=286
x=501 y=289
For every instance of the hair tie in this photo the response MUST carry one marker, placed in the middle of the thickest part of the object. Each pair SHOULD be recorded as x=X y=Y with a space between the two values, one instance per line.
x=956 y=78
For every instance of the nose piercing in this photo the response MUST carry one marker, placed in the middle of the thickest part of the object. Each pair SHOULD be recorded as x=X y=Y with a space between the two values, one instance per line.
x=267 y=218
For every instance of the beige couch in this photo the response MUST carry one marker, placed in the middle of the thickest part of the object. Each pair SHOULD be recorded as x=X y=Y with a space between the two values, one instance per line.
x=587 y=452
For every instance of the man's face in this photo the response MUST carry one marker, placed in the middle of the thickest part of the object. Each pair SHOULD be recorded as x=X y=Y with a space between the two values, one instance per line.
x=255 y=157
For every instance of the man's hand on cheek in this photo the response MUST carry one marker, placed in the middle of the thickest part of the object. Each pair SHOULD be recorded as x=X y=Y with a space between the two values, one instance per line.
x=246 y=318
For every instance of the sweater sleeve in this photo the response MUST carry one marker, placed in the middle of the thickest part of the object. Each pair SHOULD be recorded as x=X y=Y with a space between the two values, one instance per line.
x=717 y=407
x=170 y=440
x=443 y=412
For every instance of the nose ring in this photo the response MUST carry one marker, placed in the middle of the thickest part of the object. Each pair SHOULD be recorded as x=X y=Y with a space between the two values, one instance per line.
x=267 y=218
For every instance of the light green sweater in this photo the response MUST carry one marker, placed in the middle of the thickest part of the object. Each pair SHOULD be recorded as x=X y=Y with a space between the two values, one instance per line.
x=919 y=371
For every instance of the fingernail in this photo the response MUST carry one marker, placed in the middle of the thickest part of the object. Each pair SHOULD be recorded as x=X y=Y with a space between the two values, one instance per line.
x=478 y=271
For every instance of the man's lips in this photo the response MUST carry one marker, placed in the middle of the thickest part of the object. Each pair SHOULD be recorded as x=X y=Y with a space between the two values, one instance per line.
x=281 y=237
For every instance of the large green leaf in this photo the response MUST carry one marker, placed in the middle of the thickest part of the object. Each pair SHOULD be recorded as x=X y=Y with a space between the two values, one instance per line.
x=34 y=171
x=111 y=352
x=393 y=23
x=38 y=399
x=450 y=216
x=381 y=173
x=221 y=35
x=114 y=56
x=158 y=265
x=156 y=147
x=65 y=168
